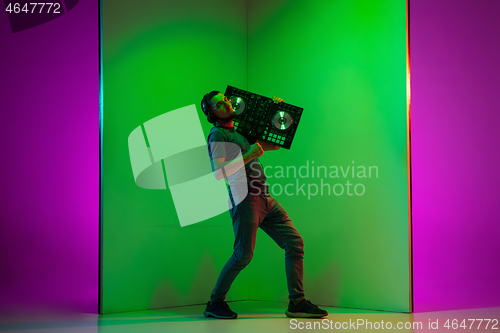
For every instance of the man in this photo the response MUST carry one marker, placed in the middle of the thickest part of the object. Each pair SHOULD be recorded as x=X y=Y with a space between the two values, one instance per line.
x=258 y=209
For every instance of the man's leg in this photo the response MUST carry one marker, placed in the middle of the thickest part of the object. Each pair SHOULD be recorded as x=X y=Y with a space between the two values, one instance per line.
x=280 y=228
x=246 y=217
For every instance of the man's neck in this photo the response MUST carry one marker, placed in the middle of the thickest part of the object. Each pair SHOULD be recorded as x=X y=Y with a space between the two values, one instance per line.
x=227 y=123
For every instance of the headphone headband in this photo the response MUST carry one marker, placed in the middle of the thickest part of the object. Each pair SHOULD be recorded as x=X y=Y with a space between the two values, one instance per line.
x=207 y=110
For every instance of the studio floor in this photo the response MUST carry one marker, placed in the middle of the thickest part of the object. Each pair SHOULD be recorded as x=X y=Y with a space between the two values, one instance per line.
x=253 y=316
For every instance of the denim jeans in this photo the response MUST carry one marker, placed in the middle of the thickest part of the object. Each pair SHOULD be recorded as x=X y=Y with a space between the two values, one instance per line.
x=265 y=212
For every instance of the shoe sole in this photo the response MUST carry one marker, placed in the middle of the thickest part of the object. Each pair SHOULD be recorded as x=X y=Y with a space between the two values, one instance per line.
x=210 y=314
x=304 y=315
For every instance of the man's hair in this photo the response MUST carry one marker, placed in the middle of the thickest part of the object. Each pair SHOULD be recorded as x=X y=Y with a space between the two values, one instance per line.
x=206 y=106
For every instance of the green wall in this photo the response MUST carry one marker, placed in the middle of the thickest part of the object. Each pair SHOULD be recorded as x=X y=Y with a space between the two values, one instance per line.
x=159 y=56
x=343 y=63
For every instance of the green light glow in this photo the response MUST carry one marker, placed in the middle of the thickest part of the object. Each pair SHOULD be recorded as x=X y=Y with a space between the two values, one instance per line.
x=344 y=63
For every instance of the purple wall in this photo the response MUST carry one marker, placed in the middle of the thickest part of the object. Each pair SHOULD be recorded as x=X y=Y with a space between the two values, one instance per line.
x=50 y=163
x=49 y=193
x=455 y=147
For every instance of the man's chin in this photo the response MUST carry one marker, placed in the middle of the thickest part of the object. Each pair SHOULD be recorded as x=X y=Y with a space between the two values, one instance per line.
x=229 y=116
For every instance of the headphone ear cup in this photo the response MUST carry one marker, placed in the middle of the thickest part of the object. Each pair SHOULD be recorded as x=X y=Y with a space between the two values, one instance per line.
x=211 y=117
x=204 y=108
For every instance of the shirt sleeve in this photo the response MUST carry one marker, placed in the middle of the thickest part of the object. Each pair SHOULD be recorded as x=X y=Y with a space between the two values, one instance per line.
x=215 y=148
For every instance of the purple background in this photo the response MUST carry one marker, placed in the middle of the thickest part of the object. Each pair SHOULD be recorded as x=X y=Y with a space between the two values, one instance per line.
x=455 y=146
x=49 y=194
x=49 y=204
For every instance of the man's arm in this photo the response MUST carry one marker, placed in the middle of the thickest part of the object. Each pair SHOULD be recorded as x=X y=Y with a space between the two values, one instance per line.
x=225 y=169
x=268 y=146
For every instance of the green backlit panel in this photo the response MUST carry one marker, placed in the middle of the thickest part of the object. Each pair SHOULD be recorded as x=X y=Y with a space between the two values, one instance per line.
x=344 y=63
x=159 y=56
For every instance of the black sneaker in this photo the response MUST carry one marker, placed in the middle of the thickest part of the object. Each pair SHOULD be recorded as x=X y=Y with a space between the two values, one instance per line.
x=219 y=310
x=305 y=309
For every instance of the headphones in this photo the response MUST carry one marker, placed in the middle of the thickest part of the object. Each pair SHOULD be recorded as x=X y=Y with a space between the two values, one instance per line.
x=207 y=110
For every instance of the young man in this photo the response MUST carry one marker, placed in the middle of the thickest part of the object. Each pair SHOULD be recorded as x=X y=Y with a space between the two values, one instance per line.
x=258 y=209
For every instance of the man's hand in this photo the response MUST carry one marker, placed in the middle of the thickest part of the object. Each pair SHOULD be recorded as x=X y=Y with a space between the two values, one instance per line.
x=267 y=145
x=256 y=150
x=277 y=100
